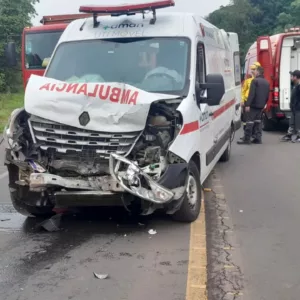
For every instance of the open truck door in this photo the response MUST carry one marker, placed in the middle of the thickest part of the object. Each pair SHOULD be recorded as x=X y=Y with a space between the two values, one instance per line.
x=264 y=56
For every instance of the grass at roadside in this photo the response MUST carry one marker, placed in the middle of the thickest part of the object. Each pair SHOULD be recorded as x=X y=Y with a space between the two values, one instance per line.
x=9 y=102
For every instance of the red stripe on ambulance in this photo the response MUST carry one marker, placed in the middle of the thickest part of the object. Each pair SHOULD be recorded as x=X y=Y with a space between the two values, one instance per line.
x=222 y=109
x=190 y=127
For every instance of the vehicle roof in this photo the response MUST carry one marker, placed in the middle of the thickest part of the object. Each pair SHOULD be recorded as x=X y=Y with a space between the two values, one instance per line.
x=167 y=24
x=49 y=27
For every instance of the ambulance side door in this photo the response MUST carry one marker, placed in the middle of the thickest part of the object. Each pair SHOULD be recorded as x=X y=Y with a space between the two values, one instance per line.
x=205 y=112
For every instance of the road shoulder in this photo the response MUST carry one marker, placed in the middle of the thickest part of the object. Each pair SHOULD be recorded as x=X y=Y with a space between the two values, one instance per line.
x=225 y=275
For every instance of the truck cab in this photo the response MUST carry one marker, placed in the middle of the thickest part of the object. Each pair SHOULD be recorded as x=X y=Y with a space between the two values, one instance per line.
x=38 y=43
x=134 y=109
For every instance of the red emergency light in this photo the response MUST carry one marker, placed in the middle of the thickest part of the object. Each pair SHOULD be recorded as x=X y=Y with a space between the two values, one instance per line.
x=126 y=9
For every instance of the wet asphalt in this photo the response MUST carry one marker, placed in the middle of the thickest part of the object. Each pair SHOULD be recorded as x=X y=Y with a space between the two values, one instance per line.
x=36 y=264
x=262 y=189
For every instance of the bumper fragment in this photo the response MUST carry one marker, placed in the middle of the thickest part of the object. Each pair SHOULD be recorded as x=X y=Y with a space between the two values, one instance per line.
x=135 y=181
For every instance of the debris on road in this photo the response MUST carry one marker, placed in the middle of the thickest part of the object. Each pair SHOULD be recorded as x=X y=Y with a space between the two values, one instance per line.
x=4 y=220
x=52 y=224
x=241 y=211
x=101 y=276
x=152 y=232
x=207 y=190
x=141 y=224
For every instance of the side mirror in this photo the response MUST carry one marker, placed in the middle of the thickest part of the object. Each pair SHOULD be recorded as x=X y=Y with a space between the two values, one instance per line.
x=215 y=88
x=11 y=54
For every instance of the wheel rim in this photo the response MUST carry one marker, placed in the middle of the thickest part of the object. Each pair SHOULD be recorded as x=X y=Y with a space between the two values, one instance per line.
x=191 y=192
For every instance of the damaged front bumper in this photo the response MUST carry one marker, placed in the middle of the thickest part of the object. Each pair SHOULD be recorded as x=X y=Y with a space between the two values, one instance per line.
x=135 y=181
x=130 y=178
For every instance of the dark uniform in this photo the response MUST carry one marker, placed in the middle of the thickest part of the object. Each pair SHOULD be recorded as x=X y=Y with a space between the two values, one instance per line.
x=294 y=124
x=257 y=99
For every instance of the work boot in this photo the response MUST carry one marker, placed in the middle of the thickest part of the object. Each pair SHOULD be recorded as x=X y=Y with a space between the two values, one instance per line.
x=256 y=141
x=286 y=138
x=244 y=142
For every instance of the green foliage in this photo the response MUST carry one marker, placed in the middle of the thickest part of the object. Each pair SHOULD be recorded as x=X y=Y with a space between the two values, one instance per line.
x=14 y=16
x=252 y=18
x=9 y=102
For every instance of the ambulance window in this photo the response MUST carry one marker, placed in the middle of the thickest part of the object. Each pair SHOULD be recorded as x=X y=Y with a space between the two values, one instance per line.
x=201 y=70
x=237 y=68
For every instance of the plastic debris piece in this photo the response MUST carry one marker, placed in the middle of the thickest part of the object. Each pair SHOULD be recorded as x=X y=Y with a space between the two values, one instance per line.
x=207 y=190
x=241 y=211
x=141 y=224
x=101 y=276
x=152 y=232
x=52 y=224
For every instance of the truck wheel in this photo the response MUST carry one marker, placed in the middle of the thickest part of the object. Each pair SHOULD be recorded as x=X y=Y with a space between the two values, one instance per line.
x=191 y=205
x=267 y=125
x=226 y=155
x=20 y=196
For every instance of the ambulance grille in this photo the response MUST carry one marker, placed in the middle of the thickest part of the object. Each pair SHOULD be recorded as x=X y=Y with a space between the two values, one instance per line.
x=64 y=139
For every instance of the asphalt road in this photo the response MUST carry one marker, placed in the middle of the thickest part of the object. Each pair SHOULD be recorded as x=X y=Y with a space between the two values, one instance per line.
x=262 y=189
x=36 y=264
x=252 y=221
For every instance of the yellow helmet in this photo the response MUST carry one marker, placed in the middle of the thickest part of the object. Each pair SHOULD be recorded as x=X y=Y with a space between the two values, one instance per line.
x=255 y=65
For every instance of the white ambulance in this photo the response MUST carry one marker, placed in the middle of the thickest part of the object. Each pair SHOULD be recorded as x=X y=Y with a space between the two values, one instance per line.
x=135 y=109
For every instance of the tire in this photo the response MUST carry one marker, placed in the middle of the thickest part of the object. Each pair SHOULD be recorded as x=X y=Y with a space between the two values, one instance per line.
x=267 y=125
x=191 y=205
x=227 y=153
x=21 y=196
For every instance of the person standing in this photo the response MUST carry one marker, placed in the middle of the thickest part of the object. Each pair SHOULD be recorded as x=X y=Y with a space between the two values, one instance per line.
x=245 y=92
x=256 y=101
x=294 y=122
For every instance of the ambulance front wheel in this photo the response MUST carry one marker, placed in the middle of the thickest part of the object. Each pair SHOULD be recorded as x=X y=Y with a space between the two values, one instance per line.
x=191 y=205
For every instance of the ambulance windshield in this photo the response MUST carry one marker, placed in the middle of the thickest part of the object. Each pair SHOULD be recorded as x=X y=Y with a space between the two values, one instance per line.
x=151 y=64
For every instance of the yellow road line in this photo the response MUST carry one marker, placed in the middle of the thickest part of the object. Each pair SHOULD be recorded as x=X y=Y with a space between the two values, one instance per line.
x=197 y=272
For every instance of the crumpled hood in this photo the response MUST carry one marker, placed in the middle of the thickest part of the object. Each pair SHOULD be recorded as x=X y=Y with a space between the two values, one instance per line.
x=112 y=107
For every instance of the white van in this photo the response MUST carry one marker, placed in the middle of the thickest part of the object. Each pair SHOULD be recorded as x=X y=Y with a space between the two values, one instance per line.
x=134 y=109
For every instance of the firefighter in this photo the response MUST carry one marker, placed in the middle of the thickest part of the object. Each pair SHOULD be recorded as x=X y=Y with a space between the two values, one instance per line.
x=256 y=101
x=245 y=91
x=293 y=133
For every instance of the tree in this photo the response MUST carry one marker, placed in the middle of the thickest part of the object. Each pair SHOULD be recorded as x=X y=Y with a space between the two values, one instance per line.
x=14 y=16
x=239 y=16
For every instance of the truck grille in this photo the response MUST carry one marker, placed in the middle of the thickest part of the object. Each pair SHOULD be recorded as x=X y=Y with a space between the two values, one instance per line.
x=61 y=138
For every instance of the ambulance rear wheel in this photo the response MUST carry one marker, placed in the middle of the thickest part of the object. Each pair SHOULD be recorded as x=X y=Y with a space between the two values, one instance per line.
x=191 y=205
x=226 y=155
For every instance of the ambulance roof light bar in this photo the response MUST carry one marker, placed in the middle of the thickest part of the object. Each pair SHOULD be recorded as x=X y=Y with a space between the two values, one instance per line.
x=125 y=9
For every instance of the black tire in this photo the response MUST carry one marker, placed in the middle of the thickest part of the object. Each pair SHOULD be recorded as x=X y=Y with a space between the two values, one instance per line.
x=267 y=124
x=189 y=212
x=227 y=153
x=21 y=196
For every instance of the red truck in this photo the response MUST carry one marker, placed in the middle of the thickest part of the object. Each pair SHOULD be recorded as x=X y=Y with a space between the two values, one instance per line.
x=38 y=42
x=278 y=54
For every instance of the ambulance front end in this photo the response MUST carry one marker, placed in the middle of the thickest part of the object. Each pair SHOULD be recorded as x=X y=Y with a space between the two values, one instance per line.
x=101 y=128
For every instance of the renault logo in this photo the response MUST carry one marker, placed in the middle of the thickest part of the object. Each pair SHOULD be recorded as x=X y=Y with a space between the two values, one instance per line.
x=84 y=118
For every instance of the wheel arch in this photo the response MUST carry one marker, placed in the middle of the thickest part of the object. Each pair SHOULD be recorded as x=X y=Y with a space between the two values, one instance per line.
x=196 y=158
